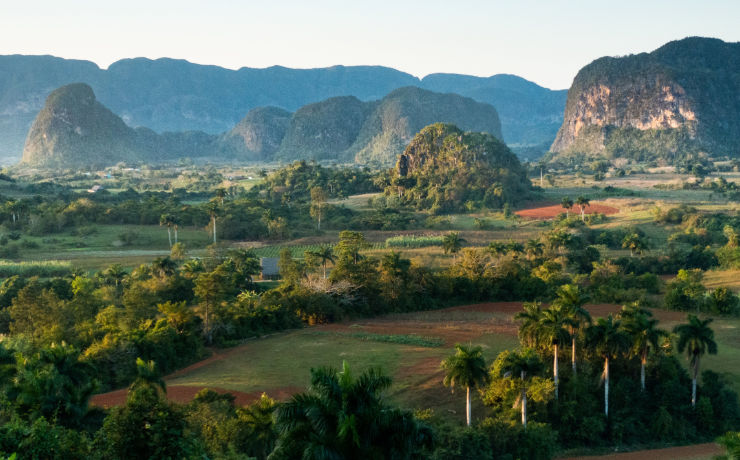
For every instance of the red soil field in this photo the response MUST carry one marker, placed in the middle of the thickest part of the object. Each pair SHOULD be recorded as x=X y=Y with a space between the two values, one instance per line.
x=549 y=212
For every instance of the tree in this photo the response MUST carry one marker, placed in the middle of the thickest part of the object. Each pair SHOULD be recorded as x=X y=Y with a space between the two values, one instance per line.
x=350 y=244
x=697 y=339
x=635 y=243
x=53 y=382
x=258 y=418
x=342 y=417
x=324 y=254
x=534 y=248
x=318 y=203
x=466 y=368
x=583 y=203
x=645 y=335
x=213 y=209
x=167 y=220
x=220 y=194
x=520 y=367
x=552 y=329
x=566 y=203
x=530 y=317
x=210 y=288
x=731 y=443
x=607 y=339
x=452 y=243
x=571 y=299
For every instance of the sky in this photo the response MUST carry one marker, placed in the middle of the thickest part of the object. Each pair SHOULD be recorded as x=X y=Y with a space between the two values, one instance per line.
x=543 y=41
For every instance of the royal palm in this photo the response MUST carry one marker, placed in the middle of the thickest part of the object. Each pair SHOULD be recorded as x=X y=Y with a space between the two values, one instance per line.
x=465 y=368
x=697 y=339
x=608 y=340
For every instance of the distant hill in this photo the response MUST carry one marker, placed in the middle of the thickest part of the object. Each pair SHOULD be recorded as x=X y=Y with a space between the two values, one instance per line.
x=175 y=95
x=324 y=130
x=530 y=114
x=444 y=169
x=396 y=119
x=75 y=130
x=257 y=137
x=681 y=100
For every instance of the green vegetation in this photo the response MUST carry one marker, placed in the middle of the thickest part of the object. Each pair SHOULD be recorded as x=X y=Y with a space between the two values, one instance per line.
x=444 y=170
x=401 y=339
x=414 y=241
x=693 y=72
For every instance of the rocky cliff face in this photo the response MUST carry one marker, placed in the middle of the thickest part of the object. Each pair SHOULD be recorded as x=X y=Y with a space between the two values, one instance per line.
x=680 y=99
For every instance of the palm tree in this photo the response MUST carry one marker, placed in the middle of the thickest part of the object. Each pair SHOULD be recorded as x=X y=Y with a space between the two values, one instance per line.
x=697 y=339
x=530 y=317
x=570 y=298
x=583 y=203
x=213 y=209
x=325 y=254
x=220 y=194
x=467 y=368
x=534 y=248
x=452 y=243
x=148 y=376
x=552 y=329
x=635 y=243
x=166 y=219
x=344 y=417
x=608 y=340
x=642 y=328
x=566 y=203
x=522 y=367
x=115 y=274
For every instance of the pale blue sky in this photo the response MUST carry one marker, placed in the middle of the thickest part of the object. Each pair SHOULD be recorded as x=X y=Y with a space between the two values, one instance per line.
x=543 y=41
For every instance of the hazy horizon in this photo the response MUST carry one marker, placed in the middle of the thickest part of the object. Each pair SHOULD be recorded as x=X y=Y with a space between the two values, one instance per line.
x=546 y=43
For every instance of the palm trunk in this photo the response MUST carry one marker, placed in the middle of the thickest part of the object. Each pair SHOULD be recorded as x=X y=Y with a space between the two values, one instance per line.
x=573 y=353
x=524 y=403
x=175 y=233
x=606 y=387
x=213 y=218
x=693 y=382
x=555 y=369
x=169 y=235
x=583 y=215
x=467 y=406
x=324 y=269
x=642 y=369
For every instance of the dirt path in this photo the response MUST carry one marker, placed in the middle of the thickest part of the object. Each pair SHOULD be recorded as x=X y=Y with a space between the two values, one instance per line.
x=695 y=452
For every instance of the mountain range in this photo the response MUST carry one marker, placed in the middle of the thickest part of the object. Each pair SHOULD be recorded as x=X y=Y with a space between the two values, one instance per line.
x=168 y=95
x=74 y=129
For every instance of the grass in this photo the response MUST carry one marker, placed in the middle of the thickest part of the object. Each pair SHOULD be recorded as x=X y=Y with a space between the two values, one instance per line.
x=46 y=268
x=401 y=339
x=414 y=241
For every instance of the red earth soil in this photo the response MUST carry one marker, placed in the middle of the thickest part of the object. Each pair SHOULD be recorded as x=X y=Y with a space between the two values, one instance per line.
x=672 y=453
x=549 y=212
